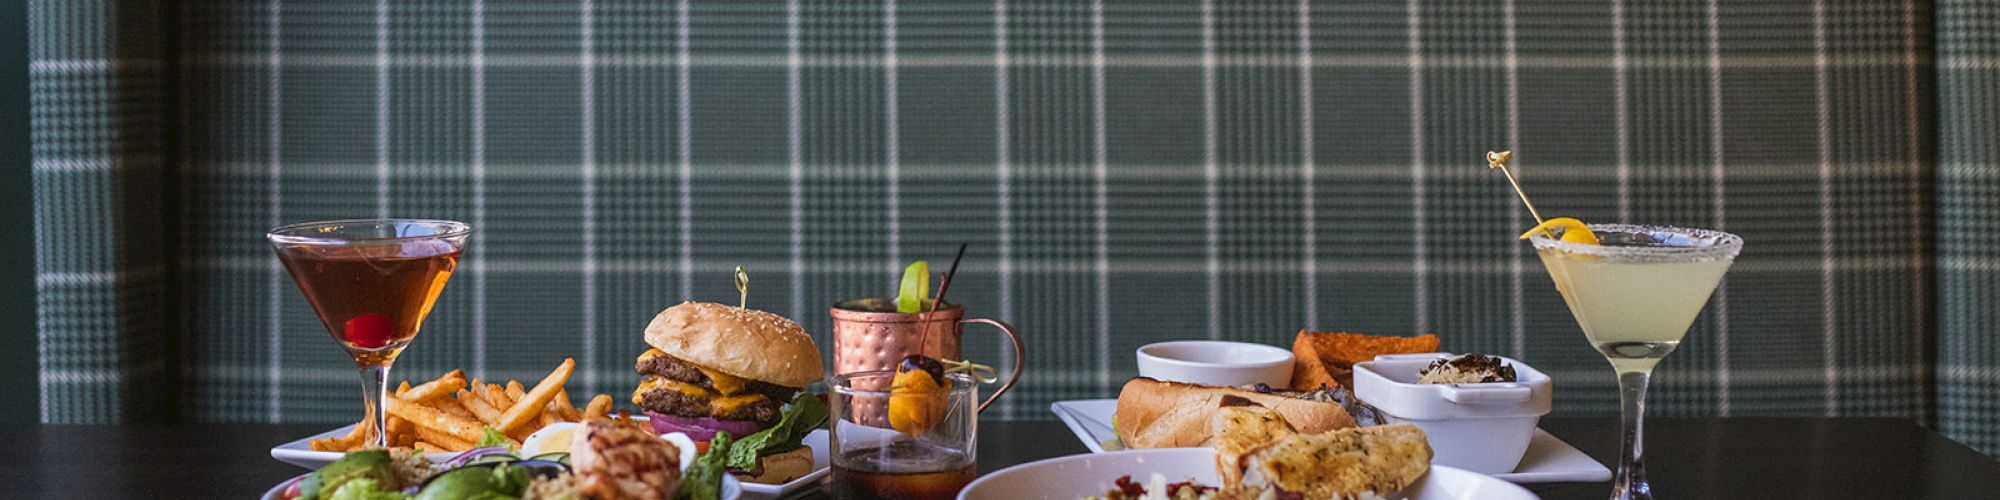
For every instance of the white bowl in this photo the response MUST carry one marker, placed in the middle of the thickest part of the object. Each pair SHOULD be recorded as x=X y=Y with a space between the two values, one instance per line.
x=300 y=453
x=732 y=488
x=1483 y=428
x=1215 y=362
x=1078 y=476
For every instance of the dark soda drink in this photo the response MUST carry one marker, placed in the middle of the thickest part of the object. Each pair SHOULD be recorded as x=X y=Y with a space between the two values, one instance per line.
x=906 y=470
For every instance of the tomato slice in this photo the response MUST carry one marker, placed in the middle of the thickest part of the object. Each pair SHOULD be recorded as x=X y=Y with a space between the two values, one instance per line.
x=292 y=491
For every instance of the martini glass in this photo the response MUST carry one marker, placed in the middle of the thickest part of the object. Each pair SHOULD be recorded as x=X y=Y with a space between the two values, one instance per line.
x=372 y=282
x=1634 y=294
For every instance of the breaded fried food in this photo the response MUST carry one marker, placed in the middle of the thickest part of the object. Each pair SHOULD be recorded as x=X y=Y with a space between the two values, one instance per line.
x=1341 y=464
x=620 y=462
x=1323 y=359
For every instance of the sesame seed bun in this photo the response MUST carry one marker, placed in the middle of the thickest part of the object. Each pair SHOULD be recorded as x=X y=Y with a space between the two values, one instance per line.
x=747 y=343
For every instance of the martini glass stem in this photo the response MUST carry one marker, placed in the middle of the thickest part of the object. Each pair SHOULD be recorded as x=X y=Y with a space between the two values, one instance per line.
x=375 y=395
x=1631 y=481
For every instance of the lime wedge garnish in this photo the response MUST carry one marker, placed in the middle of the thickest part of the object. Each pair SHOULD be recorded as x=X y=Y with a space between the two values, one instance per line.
x=916 y=286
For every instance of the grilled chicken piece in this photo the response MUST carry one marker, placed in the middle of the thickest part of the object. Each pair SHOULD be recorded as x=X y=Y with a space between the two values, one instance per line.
x=1347 y=463
x=1238 y=429
x=619 y=462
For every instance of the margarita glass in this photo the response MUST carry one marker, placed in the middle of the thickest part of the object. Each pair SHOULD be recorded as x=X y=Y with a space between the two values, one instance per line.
x=1634 y=294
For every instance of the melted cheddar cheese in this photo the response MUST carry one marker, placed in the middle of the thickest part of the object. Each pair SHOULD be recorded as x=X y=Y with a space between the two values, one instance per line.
x=721 y=401
x=724 y=383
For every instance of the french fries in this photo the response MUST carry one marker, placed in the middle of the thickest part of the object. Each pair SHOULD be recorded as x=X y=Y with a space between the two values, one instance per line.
x=451 y=412
x=564 y=409
x=449 y=383
x=599 y=408
x=479 y=408
x=497 y=397
x=425 y=417
x=518 y=415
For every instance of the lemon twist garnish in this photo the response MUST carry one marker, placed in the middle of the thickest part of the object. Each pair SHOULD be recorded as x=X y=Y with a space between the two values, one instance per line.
x=1574 y=231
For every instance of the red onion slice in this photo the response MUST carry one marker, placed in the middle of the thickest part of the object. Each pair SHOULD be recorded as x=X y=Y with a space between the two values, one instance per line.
x=701 y=429
x=468 y=455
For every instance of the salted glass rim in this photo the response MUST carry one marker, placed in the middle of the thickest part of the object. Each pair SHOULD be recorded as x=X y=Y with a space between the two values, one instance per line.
x=961 y=382
x=1709 y=244
x=287 y=233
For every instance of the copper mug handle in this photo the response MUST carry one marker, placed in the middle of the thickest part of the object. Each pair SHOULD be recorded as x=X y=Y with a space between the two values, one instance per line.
x=1020 y=356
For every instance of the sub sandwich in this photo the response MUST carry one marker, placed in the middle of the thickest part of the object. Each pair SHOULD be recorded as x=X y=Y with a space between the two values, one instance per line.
x=1157 y=414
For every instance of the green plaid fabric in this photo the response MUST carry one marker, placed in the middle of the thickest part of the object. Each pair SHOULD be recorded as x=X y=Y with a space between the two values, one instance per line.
x=1126 y=172
x=1968 y=266
x=98 y=100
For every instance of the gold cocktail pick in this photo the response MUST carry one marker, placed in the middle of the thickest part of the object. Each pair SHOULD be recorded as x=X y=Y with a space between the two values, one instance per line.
x=1497 y=160
x=742 y=288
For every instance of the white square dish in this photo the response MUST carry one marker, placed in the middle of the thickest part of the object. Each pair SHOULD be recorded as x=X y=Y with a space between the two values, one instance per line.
x=1548 y=459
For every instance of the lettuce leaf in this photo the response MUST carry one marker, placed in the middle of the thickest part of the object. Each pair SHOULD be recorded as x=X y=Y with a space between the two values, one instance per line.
x=796 y=419
x=703 y=479
x=491 y=437
x=364 y=489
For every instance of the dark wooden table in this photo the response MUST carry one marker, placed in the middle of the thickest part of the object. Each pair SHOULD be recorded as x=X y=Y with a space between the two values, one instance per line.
x=1760 y=458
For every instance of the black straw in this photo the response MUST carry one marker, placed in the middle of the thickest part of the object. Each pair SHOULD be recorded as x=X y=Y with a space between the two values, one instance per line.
x=942 y=287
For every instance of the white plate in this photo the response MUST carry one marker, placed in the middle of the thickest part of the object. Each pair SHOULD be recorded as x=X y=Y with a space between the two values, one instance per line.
x=300 y=453
x=731 y=488
x=1078 y=476
x=1548 y=460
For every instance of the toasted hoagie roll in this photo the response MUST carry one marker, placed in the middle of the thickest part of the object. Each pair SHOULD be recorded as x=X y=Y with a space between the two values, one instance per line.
x=1156 y=414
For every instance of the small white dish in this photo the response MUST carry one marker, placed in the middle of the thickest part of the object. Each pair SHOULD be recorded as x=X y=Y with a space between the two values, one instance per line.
x=1078 y=476
x=732 y=489
x=1216 y=362
x=300 y=453
x=1482 y=427
x=1548 y=459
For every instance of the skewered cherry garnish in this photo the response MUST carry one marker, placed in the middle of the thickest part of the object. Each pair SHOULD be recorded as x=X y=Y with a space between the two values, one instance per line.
x=915 y=362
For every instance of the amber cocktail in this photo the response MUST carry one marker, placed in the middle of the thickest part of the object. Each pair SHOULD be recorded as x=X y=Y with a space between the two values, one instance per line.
x=372 y=283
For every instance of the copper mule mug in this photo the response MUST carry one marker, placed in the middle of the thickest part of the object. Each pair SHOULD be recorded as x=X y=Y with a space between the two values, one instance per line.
x=869 y=335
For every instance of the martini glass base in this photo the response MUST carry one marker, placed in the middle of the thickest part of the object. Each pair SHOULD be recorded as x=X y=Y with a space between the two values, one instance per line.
x=375 y=395
x=1630 y=483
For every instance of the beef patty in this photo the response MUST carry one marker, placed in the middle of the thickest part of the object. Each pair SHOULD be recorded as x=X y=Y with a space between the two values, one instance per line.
x=669 y=401
x=672 y=402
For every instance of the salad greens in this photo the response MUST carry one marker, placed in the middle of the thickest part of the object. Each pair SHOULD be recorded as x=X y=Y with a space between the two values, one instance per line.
x=365 y=489
x=492 y=437
x=702 y=480
x=373 y=466
x=497 y=482
x=374 y=475
x=796 y=419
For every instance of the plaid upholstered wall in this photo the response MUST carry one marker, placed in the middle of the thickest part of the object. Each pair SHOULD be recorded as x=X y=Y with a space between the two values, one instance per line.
x=1968 y=82
x=1125 y=171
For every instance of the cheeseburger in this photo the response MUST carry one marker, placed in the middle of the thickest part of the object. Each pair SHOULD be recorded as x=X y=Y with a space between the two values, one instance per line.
x=722 y=369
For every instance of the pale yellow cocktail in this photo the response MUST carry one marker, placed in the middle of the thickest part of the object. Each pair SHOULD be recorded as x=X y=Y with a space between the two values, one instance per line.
x=1633 y=312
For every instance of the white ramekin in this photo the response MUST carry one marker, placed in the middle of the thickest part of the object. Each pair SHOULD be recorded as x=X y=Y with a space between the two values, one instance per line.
x=1484 y=427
